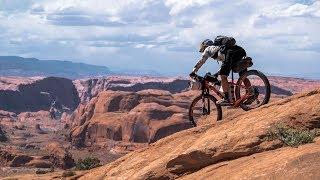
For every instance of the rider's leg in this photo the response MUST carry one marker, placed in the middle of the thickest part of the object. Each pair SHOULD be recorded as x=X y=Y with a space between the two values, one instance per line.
x=225 y=85
x=246 y=81
x=224 y=73
x=247 y=84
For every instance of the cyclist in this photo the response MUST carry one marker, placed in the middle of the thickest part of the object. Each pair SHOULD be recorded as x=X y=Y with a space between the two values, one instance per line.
x=228 y=56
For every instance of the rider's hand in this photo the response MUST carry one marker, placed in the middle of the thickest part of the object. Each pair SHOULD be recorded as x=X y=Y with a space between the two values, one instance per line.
x=193 y=74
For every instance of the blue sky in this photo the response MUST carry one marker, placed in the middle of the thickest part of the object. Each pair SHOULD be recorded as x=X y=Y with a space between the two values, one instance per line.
x=282 y=36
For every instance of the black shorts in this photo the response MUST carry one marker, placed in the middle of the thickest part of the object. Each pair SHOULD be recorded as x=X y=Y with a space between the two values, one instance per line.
x=233 y=55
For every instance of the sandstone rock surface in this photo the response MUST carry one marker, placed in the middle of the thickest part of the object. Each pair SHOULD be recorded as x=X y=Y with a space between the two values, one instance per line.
x=235 y=144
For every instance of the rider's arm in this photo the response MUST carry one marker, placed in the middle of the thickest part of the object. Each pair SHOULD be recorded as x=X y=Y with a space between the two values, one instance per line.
x=200 y=63
x=208 y=52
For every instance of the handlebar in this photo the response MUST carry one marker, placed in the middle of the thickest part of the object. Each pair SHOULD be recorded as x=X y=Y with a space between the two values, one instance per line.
x=207 y=77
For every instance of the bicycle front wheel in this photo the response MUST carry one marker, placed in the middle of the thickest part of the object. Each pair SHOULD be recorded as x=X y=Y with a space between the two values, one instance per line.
x=204 y=109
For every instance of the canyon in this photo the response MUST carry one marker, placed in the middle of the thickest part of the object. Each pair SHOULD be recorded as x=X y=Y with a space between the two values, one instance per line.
x=106 y=118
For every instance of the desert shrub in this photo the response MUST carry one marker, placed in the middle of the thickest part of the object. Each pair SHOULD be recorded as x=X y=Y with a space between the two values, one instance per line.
x=45 y=171
x=316 y=132
x=68 y=173
x=291 y=136
x=3 y=138
x=40 y=171
x=87 y=163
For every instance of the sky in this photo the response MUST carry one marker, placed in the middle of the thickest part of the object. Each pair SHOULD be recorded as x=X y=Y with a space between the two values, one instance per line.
x=282 y=36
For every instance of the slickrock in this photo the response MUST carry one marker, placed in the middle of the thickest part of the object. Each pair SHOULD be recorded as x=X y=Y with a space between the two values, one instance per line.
x=208 y=150
x=285 y=163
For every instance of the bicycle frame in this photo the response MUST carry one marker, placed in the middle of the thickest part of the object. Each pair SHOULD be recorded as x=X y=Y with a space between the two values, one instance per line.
x=235 y=102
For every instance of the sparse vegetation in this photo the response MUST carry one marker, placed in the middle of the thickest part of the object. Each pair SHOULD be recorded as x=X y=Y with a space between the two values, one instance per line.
x=87 y=163
x=291 y=136
x=3 y=137
x=45 y=171
x=40 y=171
x=68 y=173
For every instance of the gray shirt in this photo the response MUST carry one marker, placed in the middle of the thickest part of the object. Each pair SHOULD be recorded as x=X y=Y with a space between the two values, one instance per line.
x=208 y=52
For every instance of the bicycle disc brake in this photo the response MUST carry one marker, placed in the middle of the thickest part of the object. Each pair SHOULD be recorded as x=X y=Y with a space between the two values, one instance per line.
x=254 y=94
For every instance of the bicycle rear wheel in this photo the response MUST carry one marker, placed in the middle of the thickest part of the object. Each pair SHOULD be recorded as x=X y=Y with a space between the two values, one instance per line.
x=203 y=106
x=256 y=86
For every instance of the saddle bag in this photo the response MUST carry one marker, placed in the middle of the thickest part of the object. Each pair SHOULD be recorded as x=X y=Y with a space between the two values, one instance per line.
x=242 y=64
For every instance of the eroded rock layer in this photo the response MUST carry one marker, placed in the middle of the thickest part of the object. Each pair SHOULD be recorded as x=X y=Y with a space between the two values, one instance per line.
x=141 y=117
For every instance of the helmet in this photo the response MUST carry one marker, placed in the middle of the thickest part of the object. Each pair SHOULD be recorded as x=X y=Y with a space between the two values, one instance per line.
x=205 y=44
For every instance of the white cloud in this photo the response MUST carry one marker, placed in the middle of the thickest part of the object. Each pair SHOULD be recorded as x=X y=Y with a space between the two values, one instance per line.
x=297 y=9
x=164 y=30
x=177 y=6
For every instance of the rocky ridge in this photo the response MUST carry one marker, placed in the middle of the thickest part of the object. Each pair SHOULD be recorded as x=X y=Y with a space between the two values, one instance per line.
x=32 y=94
x=89 y=88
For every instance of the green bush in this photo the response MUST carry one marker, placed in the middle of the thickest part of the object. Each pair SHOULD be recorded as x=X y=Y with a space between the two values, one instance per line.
x=68 y=173
x=291 y=136
x=87 y=163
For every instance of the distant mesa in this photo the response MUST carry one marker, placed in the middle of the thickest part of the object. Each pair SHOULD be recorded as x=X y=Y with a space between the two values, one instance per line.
x=30 y=97
x=28 y=67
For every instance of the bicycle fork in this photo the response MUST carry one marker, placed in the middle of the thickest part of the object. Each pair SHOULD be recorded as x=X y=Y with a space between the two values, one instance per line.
x=205 y=110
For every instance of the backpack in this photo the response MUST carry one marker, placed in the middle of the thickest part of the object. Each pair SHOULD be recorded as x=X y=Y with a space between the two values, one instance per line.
x=224 y=41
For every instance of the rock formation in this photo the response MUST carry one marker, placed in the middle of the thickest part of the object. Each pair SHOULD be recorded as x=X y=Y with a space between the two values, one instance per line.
x=109 y=124
x=89 y=88
x=234 y=148
x=142 y=117
x=59 y=156
x=38 y=95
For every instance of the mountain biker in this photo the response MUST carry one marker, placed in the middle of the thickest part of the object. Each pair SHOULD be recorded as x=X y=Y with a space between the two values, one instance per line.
x=228 y=56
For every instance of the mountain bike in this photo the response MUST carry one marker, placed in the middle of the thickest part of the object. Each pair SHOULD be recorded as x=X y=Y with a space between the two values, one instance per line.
x=251 y=90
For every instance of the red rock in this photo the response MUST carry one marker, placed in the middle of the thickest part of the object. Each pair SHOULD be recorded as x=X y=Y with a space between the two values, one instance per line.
x=36 y=94
x=89 y=88
x=5 y=157
x=128 y=117
x=59 y=156
x=39 y=163
x=20 y=160
x=232 y=149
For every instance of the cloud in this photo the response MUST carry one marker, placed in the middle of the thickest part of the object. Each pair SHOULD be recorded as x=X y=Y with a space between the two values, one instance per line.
x=295 y=10
x=156 y=34
x=81 y=20
x=108 y=13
